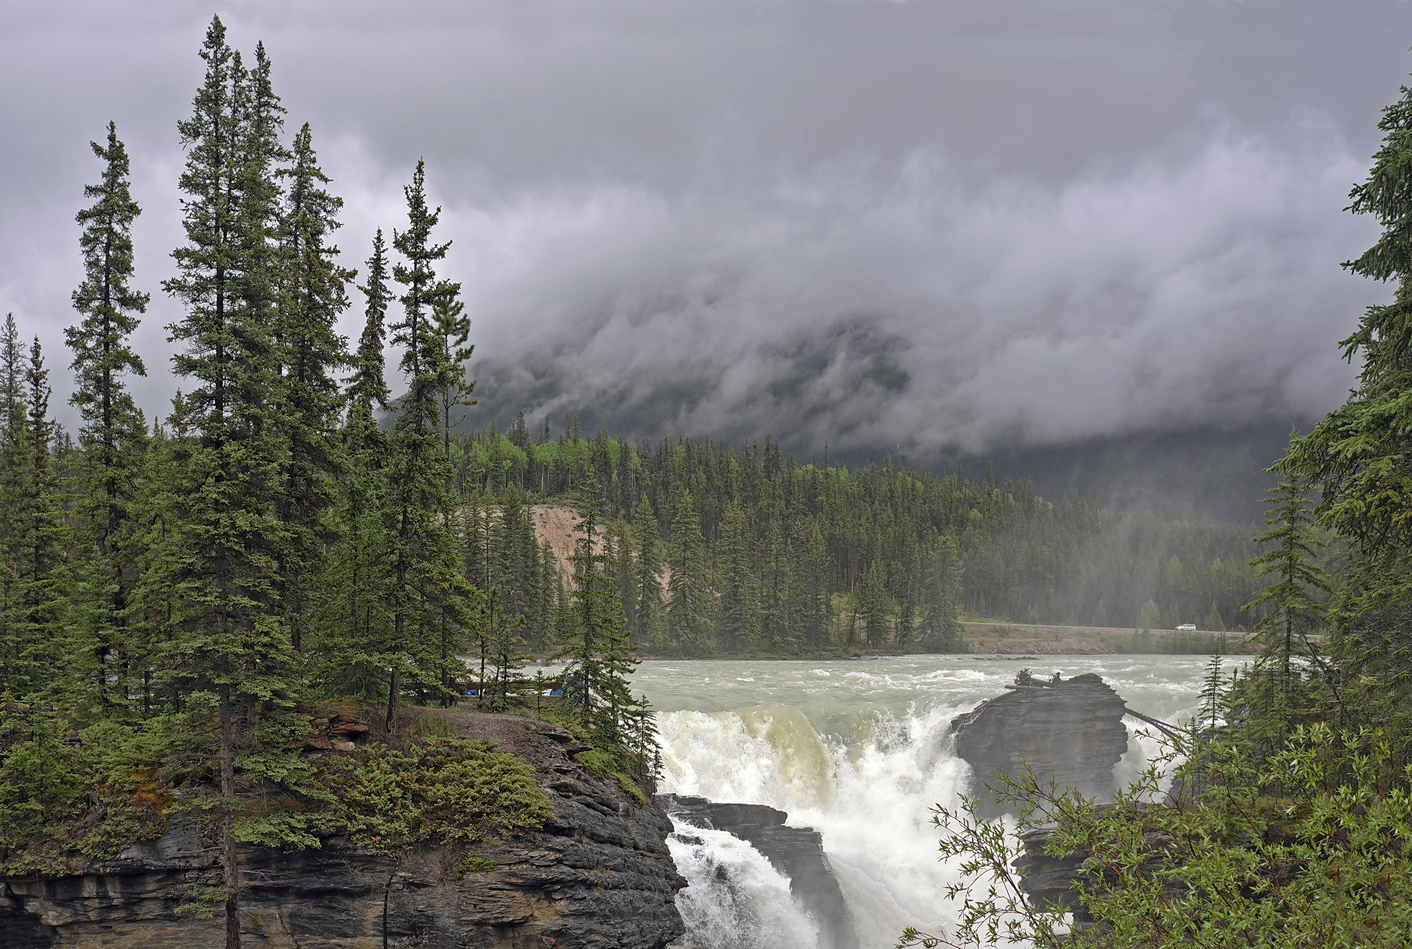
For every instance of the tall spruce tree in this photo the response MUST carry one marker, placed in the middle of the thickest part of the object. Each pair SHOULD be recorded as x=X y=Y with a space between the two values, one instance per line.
x=872 y=605
x=650 y=630
x=312 y=296
x=430 y=598
x=222 y=562
x=453 y=326
x=1356 y=457
x=15 y=675
x=39 y=544
x=113 y=435
x=1293 y=605
x=939 y=629
x=737 y=581
x=689 y=598
x=354 y=611
x=367 y=389
x=599 y=657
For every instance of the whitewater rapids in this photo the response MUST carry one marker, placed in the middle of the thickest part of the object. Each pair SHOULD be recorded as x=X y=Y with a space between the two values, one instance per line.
x=860 y=751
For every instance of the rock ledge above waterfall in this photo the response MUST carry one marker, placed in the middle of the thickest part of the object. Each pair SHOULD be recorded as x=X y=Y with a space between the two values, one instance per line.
x=599 y=877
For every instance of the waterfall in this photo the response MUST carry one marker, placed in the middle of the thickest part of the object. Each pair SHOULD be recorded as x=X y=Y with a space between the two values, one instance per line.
x=860 y=752
x=868 y=801
x=734 y=898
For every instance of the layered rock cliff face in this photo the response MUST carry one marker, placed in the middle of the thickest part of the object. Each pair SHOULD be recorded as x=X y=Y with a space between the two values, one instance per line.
x=796 y=852
x=600 y=877
x=1068 y=731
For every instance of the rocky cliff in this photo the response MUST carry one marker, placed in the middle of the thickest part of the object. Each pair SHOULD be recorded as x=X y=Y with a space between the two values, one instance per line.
x=1069 y=731
x=796 y=852
x=599 y=877
x=1059 y=880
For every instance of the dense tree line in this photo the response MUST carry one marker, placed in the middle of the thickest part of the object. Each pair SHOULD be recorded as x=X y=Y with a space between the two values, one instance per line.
x=741 y=549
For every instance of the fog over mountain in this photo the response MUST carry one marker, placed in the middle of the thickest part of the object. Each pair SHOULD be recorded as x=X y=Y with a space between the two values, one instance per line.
x=1098 y=240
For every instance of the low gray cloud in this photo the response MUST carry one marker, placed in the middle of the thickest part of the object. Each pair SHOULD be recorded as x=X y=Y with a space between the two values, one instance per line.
x=937 y=226
x=875 y=308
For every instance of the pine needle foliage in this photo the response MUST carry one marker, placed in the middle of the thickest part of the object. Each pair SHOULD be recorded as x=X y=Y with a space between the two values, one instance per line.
x=1293 y=604
x=599 y=657
x=430 y=599
x=1356 y=457
x=312 y=297
x=113 y=436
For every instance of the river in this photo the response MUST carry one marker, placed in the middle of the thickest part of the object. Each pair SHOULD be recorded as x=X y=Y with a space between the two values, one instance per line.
x=858 y=750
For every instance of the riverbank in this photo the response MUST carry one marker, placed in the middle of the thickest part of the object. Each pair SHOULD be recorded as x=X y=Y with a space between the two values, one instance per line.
x=1000 y=638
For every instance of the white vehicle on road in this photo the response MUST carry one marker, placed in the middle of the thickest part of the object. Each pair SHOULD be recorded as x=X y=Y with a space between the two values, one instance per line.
x=1186 y=626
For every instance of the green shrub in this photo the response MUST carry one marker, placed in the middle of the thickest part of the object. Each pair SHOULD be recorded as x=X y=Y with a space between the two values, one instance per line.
x=89 y=793
x=443 y=791
x=1309 y=848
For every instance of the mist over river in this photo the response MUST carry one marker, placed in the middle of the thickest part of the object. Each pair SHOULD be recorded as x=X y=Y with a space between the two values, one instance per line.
x=858 y=750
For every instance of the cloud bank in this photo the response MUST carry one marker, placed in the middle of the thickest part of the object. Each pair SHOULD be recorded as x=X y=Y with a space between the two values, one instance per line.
x=869 y=306
x=935 y=227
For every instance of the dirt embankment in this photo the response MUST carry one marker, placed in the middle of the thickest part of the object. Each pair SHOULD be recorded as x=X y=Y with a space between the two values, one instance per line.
x=557 y=525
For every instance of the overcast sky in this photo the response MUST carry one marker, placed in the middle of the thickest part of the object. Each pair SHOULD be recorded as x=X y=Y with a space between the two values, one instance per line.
x=981 y=225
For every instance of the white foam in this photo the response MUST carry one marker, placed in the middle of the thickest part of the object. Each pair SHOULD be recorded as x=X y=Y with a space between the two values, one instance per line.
x=861 y=762
x=869 y=802
x=734 y=898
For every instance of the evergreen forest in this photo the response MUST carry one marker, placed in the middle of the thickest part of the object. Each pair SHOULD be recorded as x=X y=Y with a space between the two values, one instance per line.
x=815 y=559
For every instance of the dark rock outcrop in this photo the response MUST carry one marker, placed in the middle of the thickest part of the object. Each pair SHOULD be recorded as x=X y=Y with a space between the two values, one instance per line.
x=600 y=877
x=797 y=852
x=1057 y=880
x=1046 y=879
x=1069 y=731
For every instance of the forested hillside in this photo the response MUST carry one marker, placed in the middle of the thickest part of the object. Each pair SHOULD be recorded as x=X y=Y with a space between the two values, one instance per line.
x=795 y=557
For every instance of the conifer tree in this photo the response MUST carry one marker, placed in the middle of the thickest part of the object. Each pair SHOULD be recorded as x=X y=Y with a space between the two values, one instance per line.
x=354 y=613
x=153 y=526
x=311 y=298
x=36 y=638
x=939 y=630
x=688 y=604
x=1293 y=600
x=625 y=576
x=739 y=618
x=259 y=271
x=542 y=622
x=599 y=657
x=14 y=639
x=367 y=389
x=222 y=560
x=1355 y=457
x=453 y=326
x=649 y=630
x=429 y=597
x=113 y=435
x=872 y=605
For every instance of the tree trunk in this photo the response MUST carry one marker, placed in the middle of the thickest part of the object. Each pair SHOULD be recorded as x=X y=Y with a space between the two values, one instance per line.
x=229 y=865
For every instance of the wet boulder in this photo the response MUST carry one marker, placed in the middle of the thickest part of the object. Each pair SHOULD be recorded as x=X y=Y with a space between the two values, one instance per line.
x=1069 y=731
